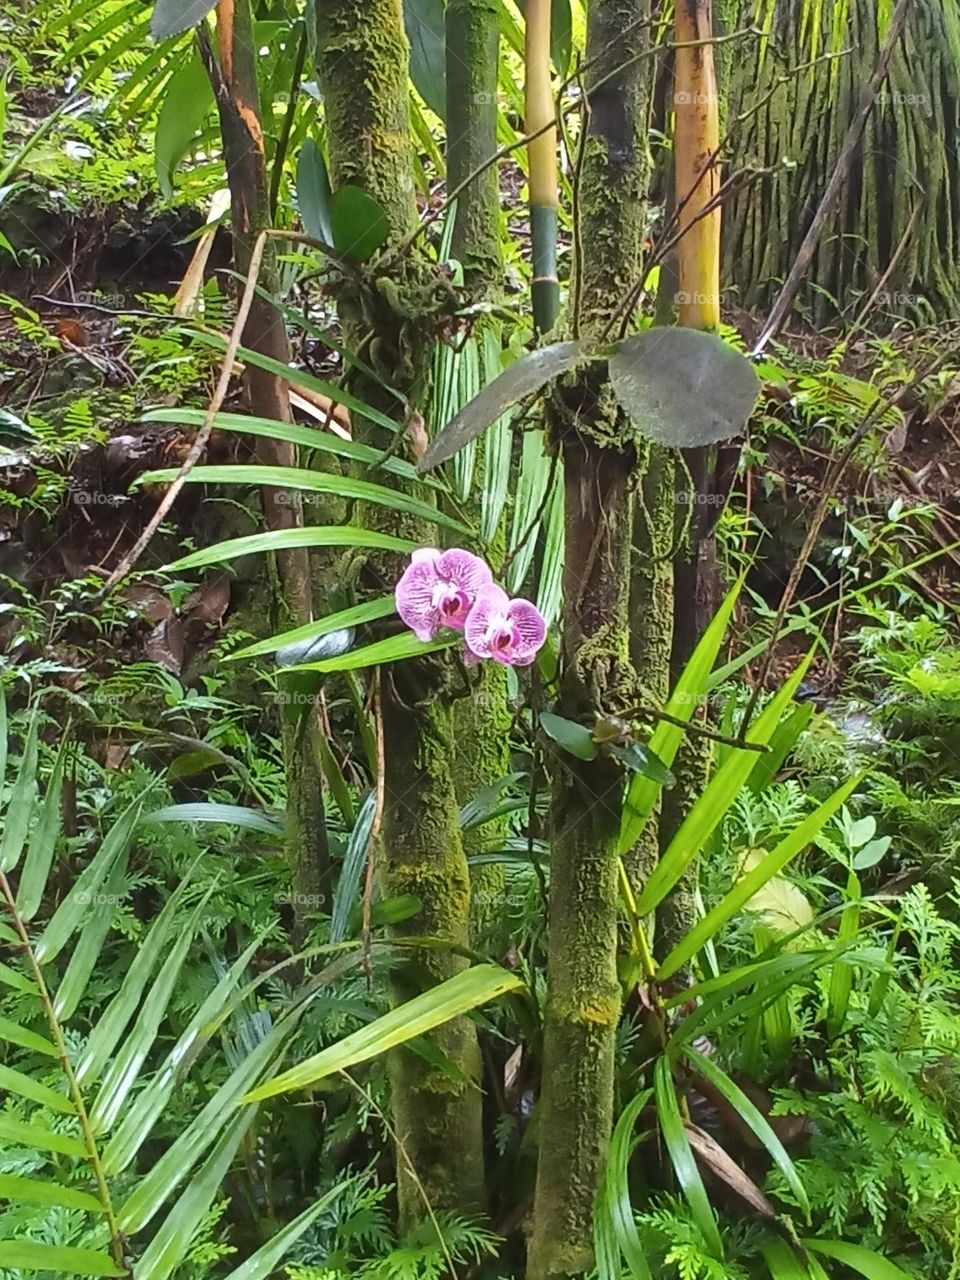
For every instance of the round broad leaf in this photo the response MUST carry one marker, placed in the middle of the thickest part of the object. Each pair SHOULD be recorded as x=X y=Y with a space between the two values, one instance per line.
x=683 y=387
x=781 y=905
x=574 y=738
x=172 y=17
x=358 y=224
x=526 y=376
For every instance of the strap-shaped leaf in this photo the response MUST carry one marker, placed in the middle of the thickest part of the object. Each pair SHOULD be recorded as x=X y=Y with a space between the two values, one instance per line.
x=717 y=797
x=524 y=378
x=267 y=1258
x=665 y=740
x=89 y=945
x=168 y=1247
x=750 y=884
x=27 y=1255
x=869 y=1263
x=26 y=1087
x=34 y=1191
x=682 y=1157
x=22 y=804
x=295 y=478
x=309 y=437
x=112 y=1023
x=146 y=1108
x=754 y=1118
x=615 y=1227
x=355 y=616
x=341 y=535
x=174 y=1166
x=42 y=845
x=393 y=649
x=13 y=1033
x=122 y=1073
x=467 y=990
x=10 y=978
x=68 y=916
x=683 y=387
x=35 y=1135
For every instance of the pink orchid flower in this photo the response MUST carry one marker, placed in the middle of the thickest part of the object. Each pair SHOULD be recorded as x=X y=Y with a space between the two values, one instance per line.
x=438 y=589
x=508 y=631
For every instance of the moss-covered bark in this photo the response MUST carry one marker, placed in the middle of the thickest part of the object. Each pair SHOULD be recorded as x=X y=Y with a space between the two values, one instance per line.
x=600 y=474
x=482 y=720
x=473 y=39
x=234 y=79
x=583 y=992
x=362 y=63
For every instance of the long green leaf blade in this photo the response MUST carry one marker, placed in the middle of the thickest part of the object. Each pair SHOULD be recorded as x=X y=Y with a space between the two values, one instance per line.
x=168 y=1247
x=745 y=888
x=42 y=845
x=34 y=1135
x=26 y=1087
x=467 y=990
x=290 y=539
x=66 y=919
x=267 y=1258
x=682 y=1157
x=866 y=1261
x=310 y=482
x=34 y=1191
x=755 y=1119
x=665 y=740
x=22 y=804
x=27 y=1255
x=356 y=615
x=712 y=804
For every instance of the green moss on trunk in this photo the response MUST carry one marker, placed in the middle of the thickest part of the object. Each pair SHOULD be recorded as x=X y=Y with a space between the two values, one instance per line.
x=362 y=62
x=473 y=38
x=438 y=1119
x=600 y=474
x=583 y=993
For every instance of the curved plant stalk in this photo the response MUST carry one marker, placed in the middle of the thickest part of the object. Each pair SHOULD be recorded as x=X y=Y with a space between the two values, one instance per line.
x=539 y=112
x=79 y=1107
x=121 y=1083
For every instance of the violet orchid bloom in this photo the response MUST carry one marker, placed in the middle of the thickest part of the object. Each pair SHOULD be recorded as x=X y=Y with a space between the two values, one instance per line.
x=438 y=589
x=508 y=631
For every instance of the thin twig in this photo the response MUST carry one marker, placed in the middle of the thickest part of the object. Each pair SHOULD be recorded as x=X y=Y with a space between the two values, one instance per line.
x=784 y=300
x=414 y=1176
x=697 y=730
x=203 y=435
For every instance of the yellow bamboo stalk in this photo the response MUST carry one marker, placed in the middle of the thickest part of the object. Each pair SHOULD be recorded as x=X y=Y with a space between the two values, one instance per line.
x=542 y=153
x=696 y=141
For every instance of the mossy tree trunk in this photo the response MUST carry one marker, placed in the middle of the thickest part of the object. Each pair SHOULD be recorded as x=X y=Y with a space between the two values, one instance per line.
x=362 y=65
x=482 y=721
x=234 y=78
x=600 y=473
